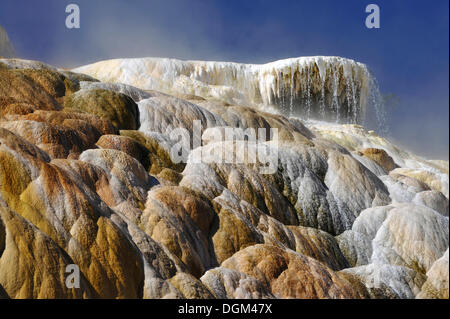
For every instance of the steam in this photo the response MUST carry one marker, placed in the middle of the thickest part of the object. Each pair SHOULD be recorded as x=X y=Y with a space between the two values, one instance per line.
x=6 y=48
x=193 y=30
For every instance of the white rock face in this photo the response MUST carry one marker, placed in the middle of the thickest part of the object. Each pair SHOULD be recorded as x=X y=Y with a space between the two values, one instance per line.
x=434 y=200
x=354 y=187
x=397 y=246
x=356 y=137
x=26 y=64
x=6 y=48
x=320 y=87
x=133 y=92
x=411 y=236
x=392 y=226
x=393 y=281
x=434 y=177
x=231 y=284
x=164 y=114
x=414 y=175
x=331 y=220
x=437 y=285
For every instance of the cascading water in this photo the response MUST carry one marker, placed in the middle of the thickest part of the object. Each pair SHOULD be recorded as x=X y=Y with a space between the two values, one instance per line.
x=324 y=88
x=322 y=100
x=378 y=107
x=335 y=106
x=342 y=92
x=291 y=105
x=308 y=93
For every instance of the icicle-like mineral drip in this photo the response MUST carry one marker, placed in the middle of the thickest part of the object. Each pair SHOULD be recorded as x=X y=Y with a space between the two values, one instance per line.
x=329 y=88
x=322 y=100
x=352 y=110
x=355 y=102
x=281 y=92
x=322 y=67
x=349 y=99
x=308 y=93
x=335 y=105
x=291 y=106
x=377 y=102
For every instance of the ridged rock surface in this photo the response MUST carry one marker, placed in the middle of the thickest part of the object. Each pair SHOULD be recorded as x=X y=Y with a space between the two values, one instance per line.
x=324 y=87
x=89 y=176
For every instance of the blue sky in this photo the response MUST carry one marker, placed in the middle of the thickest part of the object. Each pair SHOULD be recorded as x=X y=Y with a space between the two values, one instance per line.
x=409 y=54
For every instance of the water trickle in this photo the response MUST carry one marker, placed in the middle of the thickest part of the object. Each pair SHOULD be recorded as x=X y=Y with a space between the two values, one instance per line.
x=348 y=94
x=376 y=102
x=355 y=103
x=308 y=93
x=291 y=107
x=335 y=105
x=327 y=88
x=283 y=95
x=322 y=100
x=352 y=102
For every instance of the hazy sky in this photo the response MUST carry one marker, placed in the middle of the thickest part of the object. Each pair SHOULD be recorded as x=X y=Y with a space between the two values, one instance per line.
x=409 y=54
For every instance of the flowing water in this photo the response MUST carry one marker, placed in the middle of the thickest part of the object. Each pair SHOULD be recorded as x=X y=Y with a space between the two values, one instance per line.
x=329 y=89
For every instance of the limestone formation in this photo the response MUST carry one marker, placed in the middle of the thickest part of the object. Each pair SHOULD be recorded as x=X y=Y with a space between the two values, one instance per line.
x=380 y=157
x=96 y=174
x=119 y=108
x=436 y=285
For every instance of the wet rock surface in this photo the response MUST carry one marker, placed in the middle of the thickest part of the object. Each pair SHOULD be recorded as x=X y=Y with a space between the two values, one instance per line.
x=88 y=177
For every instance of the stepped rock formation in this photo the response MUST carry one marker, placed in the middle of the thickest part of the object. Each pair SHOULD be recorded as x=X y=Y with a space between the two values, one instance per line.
x=320 y=87
x=89 y=176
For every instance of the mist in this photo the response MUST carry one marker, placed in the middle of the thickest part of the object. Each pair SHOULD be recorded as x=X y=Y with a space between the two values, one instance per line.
x=415 y=127
x=408 y=54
